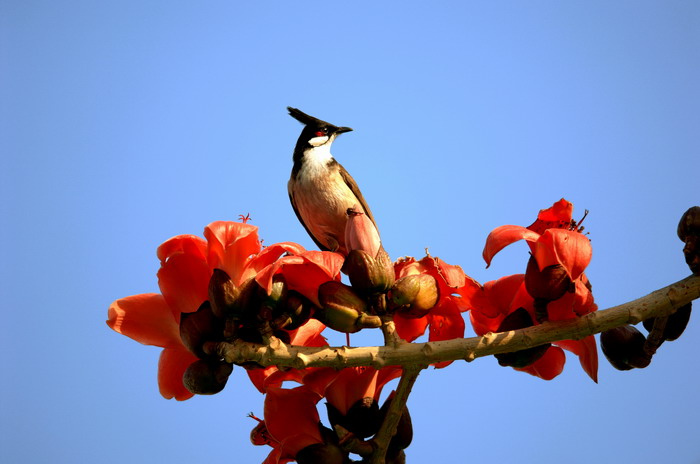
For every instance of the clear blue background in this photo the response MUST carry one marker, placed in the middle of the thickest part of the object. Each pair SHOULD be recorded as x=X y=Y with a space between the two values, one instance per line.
x=125 y=123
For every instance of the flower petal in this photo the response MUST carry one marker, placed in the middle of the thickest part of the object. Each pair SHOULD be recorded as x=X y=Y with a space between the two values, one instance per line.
x=230 y=244
x=146 y=318
x=309 y=334
x=304 y=273
x=184 y=282
x=570 y=249
x=446 y=323
x=172 y=365
x=550 y=365
x=268 y=256
x=351 y=385
x=502 y=236
x=556 y=216
x=187 y=244
x=409 y=328
x=276 y=456
x=587 y=353
x=292 y=419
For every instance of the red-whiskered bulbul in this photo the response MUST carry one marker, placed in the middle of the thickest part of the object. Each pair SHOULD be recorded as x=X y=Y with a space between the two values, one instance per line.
x=320 y=189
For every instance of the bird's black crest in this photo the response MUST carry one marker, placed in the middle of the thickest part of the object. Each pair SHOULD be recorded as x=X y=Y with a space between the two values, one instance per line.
x=305 y=118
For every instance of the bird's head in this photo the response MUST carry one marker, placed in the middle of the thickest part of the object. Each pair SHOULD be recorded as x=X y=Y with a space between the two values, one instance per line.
x=316 y=132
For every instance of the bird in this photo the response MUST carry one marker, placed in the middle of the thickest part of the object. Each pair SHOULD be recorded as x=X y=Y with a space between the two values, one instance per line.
x=322 y=192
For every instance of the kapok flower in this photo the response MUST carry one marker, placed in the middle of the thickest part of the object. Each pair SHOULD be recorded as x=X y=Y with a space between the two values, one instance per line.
x=554 y=286
x=554 y=239
x=307 y=335
x=187 y=263
x=292 y=422
x=456 y=294
x=353 y=394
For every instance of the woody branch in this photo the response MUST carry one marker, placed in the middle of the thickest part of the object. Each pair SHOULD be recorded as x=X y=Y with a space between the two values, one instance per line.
x=659 y=303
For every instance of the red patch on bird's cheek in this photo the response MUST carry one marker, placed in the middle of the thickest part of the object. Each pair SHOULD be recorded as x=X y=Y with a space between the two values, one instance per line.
x=319 y=134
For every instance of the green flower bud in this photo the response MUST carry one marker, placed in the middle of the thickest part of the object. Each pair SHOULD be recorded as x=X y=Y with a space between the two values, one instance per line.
x=342 y=309
x=369 y=274
x=414 y=296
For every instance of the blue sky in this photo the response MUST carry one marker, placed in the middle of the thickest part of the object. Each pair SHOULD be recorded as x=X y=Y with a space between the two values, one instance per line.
x=125 y=123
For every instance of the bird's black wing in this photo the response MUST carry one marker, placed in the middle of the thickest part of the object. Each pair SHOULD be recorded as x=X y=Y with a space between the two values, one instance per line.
x=301 y=220
x=350 y=182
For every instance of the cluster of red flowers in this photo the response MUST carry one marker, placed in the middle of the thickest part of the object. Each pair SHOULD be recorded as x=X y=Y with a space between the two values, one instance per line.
x=227 y=286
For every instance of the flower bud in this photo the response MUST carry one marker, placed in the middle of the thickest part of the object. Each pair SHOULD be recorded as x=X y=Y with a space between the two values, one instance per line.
x=277 y=294
x=321 y=453
x=222 y=293
x=362 y=419
x=247 y=305
x=519 y=319
x=551 y=283
x=675 y=324
x=206 y=377
x=414 y=295
x=342 y=309
x=199 y=327
x=689 y=223
x=624 y=347
x=404 y=430
x=298 y=308
x=369 y=274
x=689 y=232
x=361 y=233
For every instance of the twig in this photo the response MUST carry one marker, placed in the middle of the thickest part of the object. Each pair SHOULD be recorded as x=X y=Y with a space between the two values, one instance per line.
x=391 y=420
x=660 y=303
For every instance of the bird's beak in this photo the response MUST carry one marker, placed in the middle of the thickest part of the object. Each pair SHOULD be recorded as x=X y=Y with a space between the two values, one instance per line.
x=343 y=129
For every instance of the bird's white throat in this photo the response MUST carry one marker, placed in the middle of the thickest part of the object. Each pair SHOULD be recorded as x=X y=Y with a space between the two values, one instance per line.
x=317 y=157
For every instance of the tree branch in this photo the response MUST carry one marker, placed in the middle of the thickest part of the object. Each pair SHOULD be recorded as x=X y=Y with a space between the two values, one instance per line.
x=388 y=429
x=660 y=303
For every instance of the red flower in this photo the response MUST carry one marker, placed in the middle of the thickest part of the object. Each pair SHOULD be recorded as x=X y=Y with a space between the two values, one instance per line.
x=303 y=271
x=187 y=263
x=308 y=334
x=352 y=384
x=561 y=254
x=457 y=293
x=292 y=422
x=554 y=238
